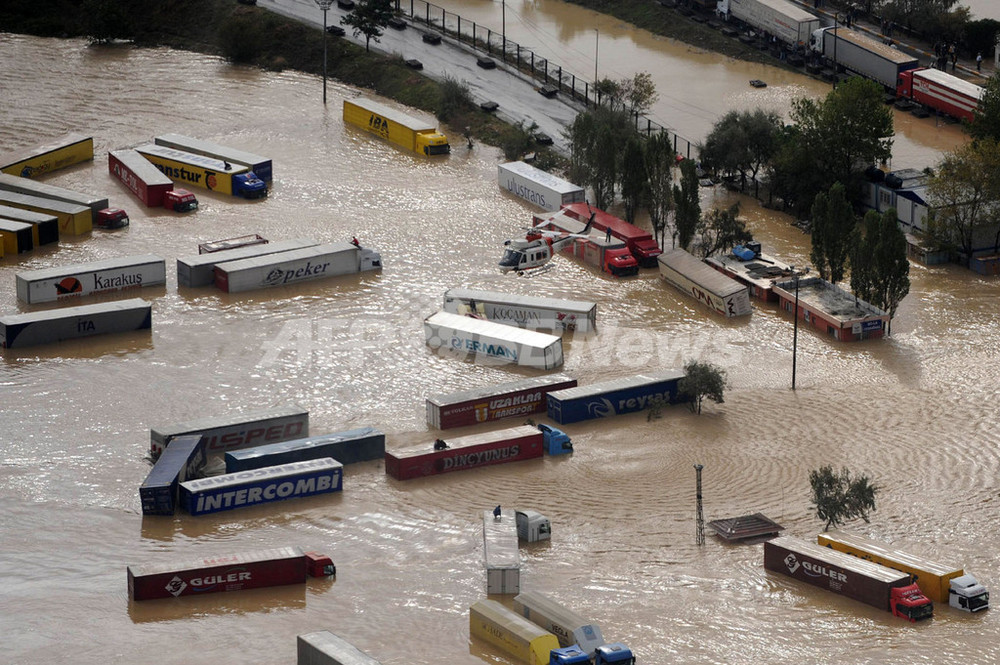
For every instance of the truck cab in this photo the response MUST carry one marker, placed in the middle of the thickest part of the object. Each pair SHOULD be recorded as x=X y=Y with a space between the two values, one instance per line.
x=432 y=143
x=532 y=526
x=910 y=603
x=556 y=441
x=966 y=593
x=180 y=200
x=614 y=653
x=572 y=655
x=112 y=218
x=620 y=263
x=249 y=186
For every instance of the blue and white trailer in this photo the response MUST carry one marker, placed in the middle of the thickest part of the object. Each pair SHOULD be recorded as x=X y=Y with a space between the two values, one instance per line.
x=257 y=486
x=184 y=459
x=356 y=445
x=538 y=187
x=614 y=397
x=486 y=342
x=121 y=273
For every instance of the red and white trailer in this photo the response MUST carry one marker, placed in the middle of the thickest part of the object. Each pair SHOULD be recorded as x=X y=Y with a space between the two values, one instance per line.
x=940 y=91
x=228 y=572
x=467 y=452
x=639 y=241
x=148 y=183
x=506 y=400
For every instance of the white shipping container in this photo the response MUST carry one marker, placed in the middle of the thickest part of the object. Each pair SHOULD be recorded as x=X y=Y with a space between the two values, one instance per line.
x=531 y=312
x=787 y=21
x=118 y=274
x=486 y=341
x=199 y=269
x=502 y=558
x=298 y=265
x=707 y=285
x=535 y=186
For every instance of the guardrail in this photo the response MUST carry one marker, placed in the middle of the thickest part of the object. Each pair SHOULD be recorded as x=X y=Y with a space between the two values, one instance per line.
x=526 y=61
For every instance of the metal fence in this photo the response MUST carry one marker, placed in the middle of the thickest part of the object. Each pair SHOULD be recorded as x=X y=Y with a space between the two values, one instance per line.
x=526 y=61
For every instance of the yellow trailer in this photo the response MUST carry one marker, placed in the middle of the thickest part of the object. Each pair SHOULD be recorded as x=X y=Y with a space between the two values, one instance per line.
x=44 y=227
x=38 y=160
x=395 y=127
x=15 y=237
x=527 y=642
x=934 y=579
x=73 y=219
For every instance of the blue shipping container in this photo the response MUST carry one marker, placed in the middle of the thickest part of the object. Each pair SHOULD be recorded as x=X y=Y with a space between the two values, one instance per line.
x=611 y=398
x=356 y=445
x=273 y=483
x=185 y=458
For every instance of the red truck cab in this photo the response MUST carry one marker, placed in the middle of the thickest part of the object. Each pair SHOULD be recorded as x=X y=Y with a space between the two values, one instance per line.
x=910 y=603
x=620 y=262
x=180 y=200
x=112 y=218
x=639 y=241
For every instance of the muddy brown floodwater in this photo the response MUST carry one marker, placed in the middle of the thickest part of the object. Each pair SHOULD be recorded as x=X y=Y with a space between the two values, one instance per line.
x=918 y=411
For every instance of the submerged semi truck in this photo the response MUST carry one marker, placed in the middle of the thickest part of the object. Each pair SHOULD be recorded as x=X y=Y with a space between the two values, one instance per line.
x=870 y=583
x=862 y=55
x=940 y=92
x=942 y=583
x=395 y=126
x=783 y=19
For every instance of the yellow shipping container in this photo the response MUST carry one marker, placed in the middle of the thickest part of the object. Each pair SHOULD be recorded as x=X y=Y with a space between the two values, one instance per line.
x=395 y=127
x=73 y=219
x=492 y=622
x=43 y=159
x=934 y=579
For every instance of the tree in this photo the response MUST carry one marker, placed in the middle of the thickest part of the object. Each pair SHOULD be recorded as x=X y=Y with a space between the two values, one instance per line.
x=880 y=271
x=964 y=195
x=742 y=142
x=722 y=230
x=833 y=227
x=633 y=179
x=841 y=497
x=659 y=155
x=701 y=380
x=687 y=204
x=108 y=20
x=986 y=117
x=368 y=18
x=638 y=93
x=596 y=138
x=836 y=139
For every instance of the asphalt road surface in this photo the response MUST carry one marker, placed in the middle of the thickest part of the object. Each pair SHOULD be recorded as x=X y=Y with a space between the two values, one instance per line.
x=516 y=94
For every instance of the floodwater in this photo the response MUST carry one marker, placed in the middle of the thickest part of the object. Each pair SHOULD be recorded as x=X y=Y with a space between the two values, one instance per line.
x=696 y=87
x=917 y=411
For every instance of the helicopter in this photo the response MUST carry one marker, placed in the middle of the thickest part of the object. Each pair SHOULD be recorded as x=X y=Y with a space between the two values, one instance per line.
x=537 y=247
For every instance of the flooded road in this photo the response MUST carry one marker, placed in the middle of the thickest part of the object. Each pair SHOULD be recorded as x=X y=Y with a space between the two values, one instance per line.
x=917 y=411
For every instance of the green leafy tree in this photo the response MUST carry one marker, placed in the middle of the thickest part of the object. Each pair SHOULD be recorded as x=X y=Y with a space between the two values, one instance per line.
x=880 y=271
x=964 y=194
x=835 y=140
x=742 y=142
x=839 y=497
x=833 y=228
x=981 y=36
x=455 y=99
x=659 y=155
x=701 y=381
x=634 y=181
x=721 y=230
x=638 y=93
x=241 y=38
x=595 y=139
x=687 y=213
x=986 y=118
x=369 y=18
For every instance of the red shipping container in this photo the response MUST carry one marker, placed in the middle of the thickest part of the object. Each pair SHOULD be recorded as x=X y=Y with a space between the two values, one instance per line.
x=466 y=452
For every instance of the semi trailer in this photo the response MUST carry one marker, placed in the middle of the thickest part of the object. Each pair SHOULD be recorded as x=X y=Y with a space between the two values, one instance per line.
x=942 y=583
x=940 y=91
x=395 y=127
x=857 y=53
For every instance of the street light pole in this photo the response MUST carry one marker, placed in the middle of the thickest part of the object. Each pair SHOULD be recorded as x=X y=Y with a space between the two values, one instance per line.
x=503 y=24
x=795 y=324
x=324 y=5
x=597 y=44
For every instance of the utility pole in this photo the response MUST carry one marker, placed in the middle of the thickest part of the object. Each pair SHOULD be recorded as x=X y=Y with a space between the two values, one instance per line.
x=597 y=45
x=699 y=535
x=324 y=5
